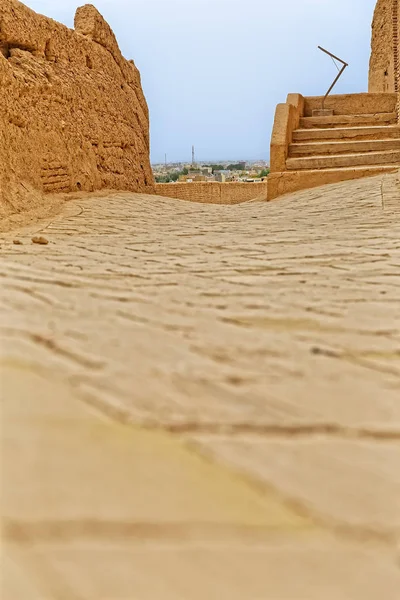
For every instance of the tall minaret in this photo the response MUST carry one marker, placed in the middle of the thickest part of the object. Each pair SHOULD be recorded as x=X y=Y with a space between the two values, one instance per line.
x=193 y=162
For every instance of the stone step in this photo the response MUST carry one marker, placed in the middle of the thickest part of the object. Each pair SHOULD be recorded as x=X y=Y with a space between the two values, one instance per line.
x=348 y=120
x=320 y=148
x=335 y=161
x=373 y=132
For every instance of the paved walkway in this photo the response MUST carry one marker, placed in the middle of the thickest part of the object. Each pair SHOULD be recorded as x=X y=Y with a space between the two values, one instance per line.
x=203 y=402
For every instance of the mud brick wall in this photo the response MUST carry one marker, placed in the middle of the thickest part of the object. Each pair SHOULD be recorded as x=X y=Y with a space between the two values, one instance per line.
x=384 y=73
x=73 y=115
x=213 y=193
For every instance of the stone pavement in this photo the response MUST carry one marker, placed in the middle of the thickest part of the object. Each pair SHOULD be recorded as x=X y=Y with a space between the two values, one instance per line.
x=203 y=402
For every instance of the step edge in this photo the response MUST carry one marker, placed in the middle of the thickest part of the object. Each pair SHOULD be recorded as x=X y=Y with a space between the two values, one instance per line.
x=357 y=116
x=381 y=152
x=325 y=129
x=388 y=167
x=318 y=142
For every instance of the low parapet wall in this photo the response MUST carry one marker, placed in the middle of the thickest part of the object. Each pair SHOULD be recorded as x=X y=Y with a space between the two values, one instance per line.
x=214 y=192
x=352 y=104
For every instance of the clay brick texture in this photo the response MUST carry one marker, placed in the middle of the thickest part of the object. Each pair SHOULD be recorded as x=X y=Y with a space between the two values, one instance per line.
x=73 y=115
x=384 y=73
x=213 y=193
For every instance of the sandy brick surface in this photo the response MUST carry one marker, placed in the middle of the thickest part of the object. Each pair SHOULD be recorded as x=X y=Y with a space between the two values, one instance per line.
x=203 y=401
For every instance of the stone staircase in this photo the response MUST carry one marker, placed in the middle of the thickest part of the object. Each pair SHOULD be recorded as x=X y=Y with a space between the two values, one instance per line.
x=328 y=149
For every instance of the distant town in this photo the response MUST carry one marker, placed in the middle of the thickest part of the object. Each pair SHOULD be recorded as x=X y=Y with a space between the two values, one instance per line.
x=224 y=171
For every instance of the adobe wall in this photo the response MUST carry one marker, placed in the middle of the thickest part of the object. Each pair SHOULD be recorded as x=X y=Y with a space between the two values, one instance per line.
x=384 y=72
x=352 y=104
x=73 y=111
x=214 y=192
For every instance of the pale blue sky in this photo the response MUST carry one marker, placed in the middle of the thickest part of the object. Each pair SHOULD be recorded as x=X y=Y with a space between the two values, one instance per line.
x=214 y=70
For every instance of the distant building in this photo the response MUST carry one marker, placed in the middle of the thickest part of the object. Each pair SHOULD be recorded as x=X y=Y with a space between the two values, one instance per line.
x=191 y=177
x=222 y=176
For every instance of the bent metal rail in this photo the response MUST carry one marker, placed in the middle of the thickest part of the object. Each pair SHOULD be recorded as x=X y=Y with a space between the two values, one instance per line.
x=345 y=65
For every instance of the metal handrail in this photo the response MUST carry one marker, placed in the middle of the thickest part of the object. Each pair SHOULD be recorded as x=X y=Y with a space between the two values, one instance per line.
x=345 y=65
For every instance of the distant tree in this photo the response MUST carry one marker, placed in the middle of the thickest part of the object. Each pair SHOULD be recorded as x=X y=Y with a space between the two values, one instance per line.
x=263 y=173
x=217 y=168
x=172 y=176
x=236 y=167
x=161 y=178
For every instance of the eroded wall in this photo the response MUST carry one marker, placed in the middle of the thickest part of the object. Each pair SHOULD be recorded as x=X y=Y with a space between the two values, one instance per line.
x=213 y=192
x=73 y=115
x=384 y=73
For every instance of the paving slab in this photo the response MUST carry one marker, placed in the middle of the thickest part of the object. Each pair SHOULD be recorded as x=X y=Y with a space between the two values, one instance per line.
x=208 y=393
